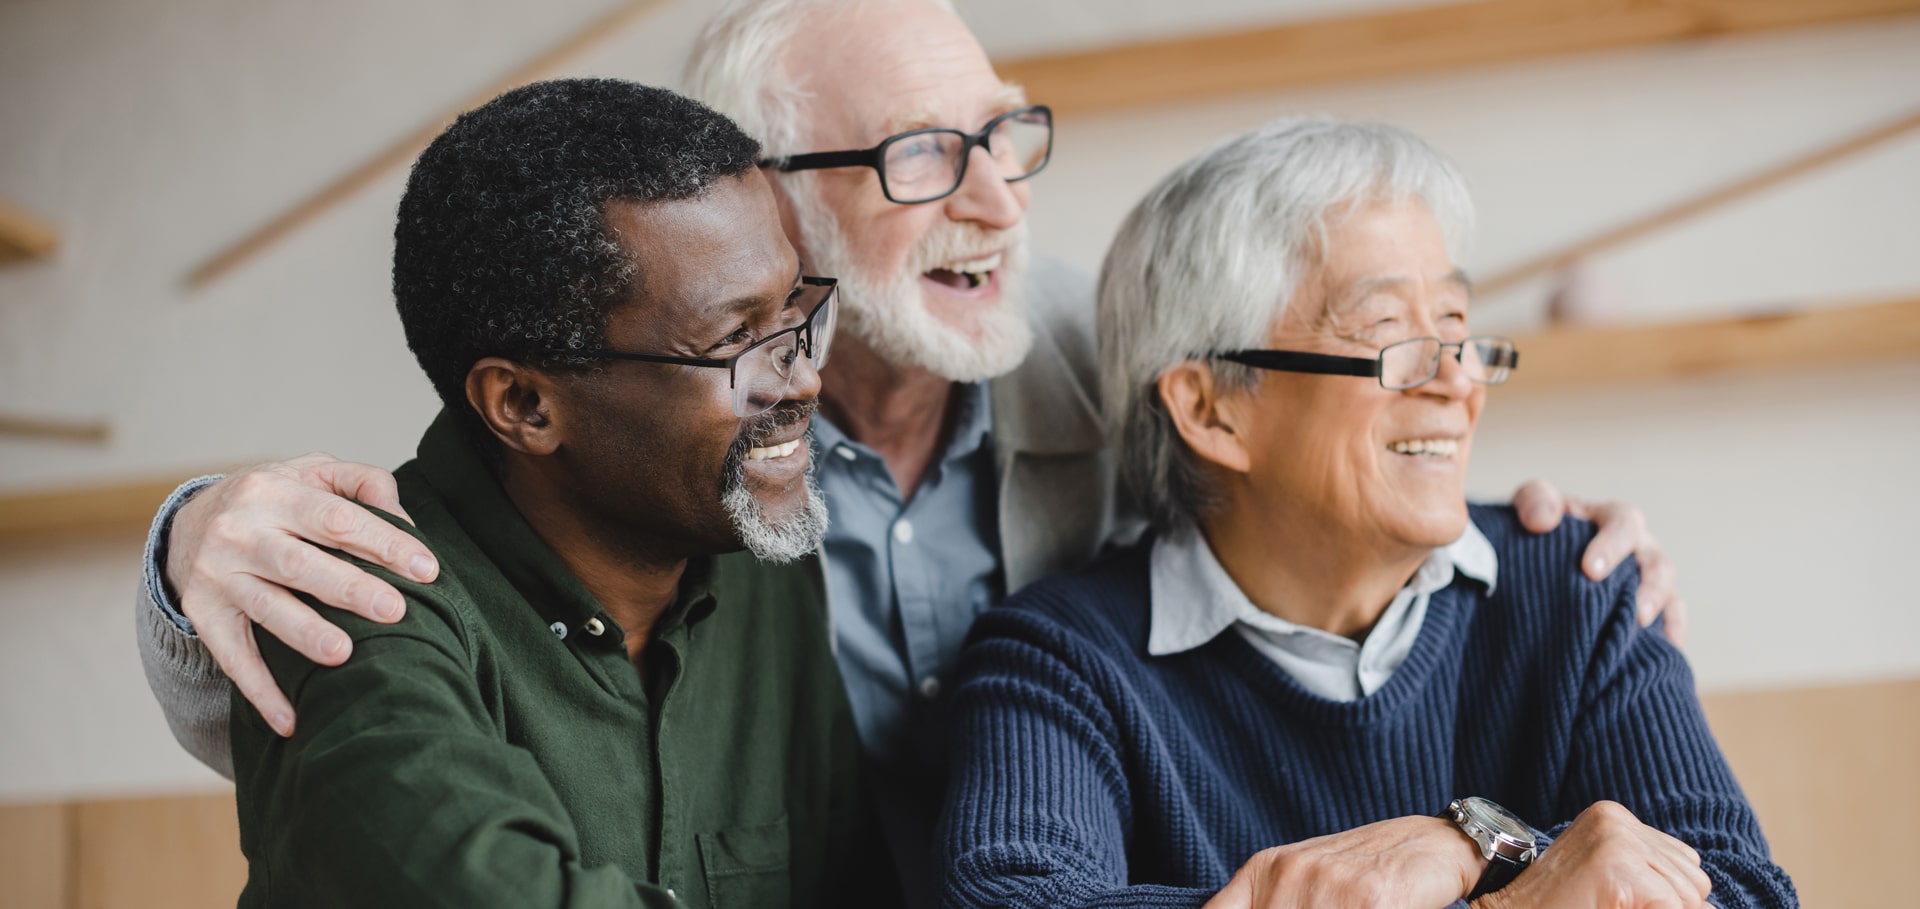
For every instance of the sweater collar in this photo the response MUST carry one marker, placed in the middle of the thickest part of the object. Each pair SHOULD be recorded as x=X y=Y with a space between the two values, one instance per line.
x=1194 y=599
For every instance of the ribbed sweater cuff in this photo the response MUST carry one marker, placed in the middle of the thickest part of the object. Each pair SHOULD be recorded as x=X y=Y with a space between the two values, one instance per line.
x=168 y=648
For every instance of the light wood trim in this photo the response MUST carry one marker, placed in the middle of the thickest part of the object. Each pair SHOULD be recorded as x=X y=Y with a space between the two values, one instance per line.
x=161 y=853
x=36 y=856
x=1834 y=774
x=1400 y=42
x=1698 y=205
x=23 y=236
x=1835 y=335
x=404 y=151
x=107 y=510
x=58 y=430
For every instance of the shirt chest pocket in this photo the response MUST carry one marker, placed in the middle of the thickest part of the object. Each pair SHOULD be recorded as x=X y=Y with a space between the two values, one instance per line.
x=746 y=867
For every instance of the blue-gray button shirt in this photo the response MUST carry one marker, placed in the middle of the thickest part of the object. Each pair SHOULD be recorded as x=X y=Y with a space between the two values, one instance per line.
x=907 y=577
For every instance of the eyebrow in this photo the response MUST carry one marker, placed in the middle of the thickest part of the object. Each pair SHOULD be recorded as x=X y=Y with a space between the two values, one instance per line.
x=1007 y=97
x=1368 y=286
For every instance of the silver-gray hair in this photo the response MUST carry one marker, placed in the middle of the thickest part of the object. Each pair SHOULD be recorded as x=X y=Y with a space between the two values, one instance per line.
x=1212 y=256
x=738 y=67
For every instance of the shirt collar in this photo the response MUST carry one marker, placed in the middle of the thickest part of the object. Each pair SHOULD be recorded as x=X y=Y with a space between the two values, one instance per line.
x=473 y=496
x=1194 y=599
x=972 y=427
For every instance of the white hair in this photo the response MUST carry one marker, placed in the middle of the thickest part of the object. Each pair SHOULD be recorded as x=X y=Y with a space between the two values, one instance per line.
x=1212 y=256
x=738 y=67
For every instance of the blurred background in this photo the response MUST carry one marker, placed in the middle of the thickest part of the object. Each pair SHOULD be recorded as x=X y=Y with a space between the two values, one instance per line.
x=1696 y=216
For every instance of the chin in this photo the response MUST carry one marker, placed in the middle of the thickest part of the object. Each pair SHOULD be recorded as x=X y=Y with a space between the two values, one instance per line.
x=1434 y=525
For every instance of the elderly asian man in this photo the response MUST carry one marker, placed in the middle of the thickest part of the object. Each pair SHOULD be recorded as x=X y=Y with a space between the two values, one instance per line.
x=1320 y=678
x=588 y=707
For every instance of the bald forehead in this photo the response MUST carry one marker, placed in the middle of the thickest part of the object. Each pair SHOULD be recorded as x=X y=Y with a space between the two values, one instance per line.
x=874 y=68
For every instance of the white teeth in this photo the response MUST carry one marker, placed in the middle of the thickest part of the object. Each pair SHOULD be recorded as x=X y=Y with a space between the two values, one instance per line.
x=775 y=451
x=1438 y=448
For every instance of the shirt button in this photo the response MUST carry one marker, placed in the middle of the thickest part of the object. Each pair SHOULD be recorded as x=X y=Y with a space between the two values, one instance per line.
x=594 y=627
x=930 y=688
x=844 y=452
x=559 y=630
x=903 y=530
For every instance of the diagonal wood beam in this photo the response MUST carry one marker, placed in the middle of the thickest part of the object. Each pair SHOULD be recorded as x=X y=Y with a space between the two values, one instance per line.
x=1400 y=42
x=405 y=150
x=1717 y=197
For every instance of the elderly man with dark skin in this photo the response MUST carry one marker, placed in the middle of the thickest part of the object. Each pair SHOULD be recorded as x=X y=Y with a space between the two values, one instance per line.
x=958 y=440
x=586 y=707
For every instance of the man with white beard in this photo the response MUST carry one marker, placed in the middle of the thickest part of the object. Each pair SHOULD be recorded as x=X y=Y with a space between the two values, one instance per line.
x=946 y=490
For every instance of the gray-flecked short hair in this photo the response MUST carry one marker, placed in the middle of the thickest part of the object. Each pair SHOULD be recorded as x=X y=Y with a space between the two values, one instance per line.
x=1213 y=255
x=738 y=67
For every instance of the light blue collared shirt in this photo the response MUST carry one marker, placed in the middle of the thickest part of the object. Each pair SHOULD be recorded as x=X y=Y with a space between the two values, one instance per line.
x=906 y=578
x=1194 y=599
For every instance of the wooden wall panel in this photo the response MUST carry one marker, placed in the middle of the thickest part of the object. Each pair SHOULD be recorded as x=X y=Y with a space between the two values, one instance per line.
x=1834 y=774
x=35 y=856
x=160 y=853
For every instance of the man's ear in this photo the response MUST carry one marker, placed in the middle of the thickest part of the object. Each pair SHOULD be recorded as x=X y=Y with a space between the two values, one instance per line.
x=517 y=404
x=1213 y=425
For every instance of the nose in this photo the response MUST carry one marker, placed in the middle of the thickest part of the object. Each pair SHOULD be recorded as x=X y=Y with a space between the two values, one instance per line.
x=803 y=382
x=1451 y=382
x=986 y=197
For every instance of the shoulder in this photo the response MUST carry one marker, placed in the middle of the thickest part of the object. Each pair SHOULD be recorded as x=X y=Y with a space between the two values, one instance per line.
x=1553 y=556
x=1104 y=605
x=1060 y=308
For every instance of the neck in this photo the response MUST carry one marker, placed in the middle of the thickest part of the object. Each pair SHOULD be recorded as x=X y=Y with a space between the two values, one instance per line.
x=635 y=583
x=901 y=412
x=1303 y=572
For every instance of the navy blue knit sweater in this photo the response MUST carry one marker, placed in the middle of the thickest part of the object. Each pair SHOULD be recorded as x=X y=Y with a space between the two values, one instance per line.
x=1087 y=773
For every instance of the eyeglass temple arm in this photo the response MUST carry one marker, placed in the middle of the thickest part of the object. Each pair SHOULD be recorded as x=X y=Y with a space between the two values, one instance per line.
x=822 y=160
x=1295 y=361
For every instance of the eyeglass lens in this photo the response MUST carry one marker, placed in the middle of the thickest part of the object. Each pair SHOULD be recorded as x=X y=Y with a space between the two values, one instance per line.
x=764 y=374
x=929 y=164
x=1410 y=364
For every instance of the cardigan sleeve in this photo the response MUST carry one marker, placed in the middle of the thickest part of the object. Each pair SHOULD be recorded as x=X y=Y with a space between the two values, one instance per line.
x=1037 y=811
x=1642 y=740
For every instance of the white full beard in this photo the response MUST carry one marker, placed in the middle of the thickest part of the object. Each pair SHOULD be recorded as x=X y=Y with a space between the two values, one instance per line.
x=888 y=313
x=779 y=541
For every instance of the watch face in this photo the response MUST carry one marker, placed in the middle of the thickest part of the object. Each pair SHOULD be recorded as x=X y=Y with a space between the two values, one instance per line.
x=1497 y=819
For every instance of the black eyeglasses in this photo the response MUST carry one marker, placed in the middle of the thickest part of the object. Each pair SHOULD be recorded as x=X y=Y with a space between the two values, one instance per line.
x=922 y=165
x=761 y=374
x=1486 y=359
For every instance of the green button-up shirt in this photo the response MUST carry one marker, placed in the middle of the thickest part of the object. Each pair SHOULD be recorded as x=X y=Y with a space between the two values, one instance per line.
x=496 y=747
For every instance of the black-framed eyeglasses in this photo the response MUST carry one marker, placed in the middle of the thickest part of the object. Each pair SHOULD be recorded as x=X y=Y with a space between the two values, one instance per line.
x=923 y=165
x=1486 y=359
x=760 y=375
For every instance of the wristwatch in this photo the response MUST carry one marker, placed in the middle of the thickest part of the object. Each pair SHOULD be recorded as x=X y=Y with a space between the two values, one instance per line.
x=1507 y=844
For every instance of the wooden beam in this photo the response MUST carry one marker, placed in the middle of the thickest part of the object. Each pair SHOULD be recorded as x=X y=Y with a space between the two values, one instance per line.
x=401 y=153
x=23 y=236
x=1400 y=42
x=1718 y=197
x=57 y=430
x=1826 y=336
x=87 y=512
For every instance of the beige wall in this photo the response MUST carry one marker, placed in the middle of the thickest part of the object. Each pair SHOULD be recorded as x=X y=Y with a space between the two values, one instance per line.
x=153 y=133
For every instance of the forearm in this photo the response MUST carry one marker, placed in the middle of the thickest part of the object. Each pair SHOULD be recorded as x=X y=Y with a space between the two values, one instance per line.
x=183 y=676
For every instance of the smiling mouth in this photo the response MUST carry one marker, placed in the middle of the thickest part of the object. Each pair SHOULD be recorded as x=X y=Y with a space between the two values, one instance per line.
x=1426 y=448
x=965 y=274
x=774 y=452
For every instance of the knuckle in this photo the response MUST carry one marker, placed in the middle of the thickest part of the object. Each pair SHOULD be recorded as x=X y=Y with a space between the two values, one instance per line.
x=293 y=561
x=339 y=518
x=261 y=605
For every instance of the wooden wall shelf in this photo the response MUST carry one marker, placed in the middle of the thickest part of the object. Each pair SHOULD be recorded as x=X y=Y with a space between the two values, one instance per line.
x=1400 y=42
x=1832 y=335
x=98 y=512
x=24 y=237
